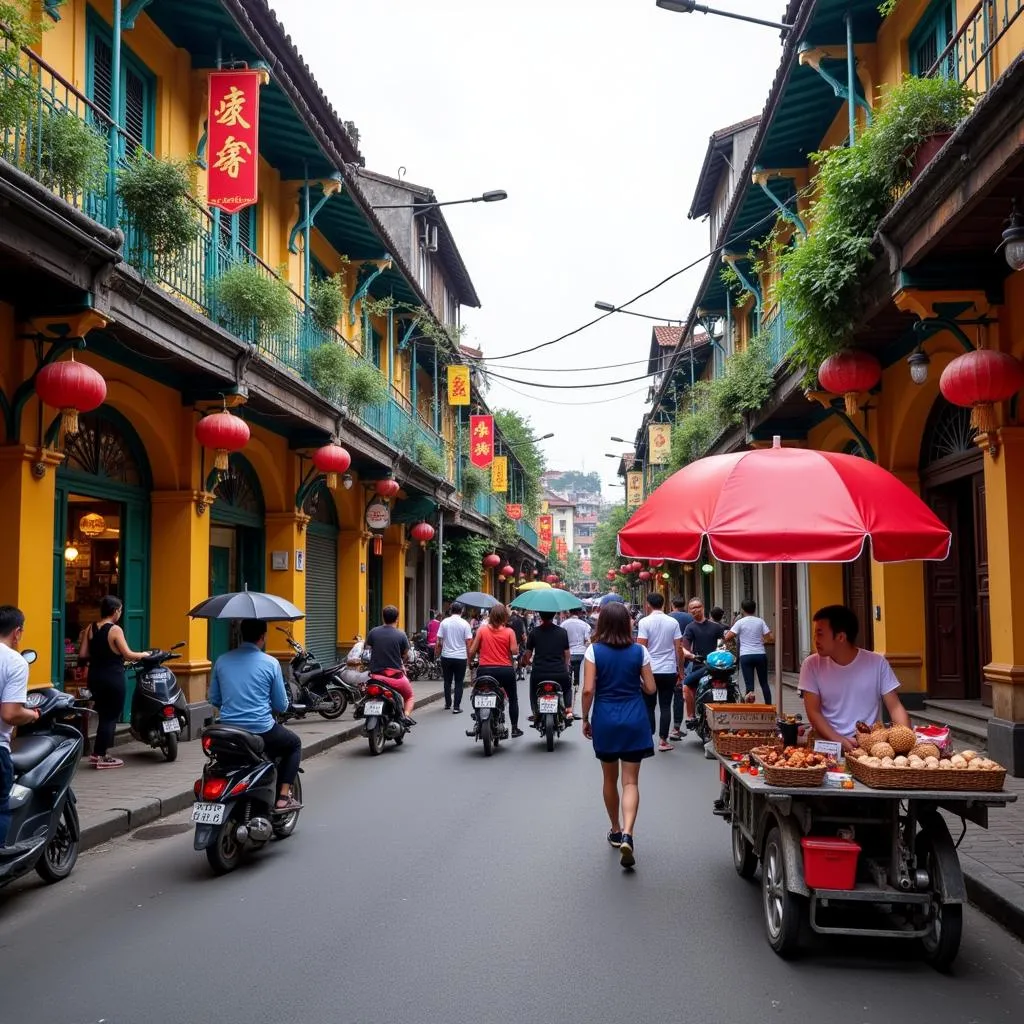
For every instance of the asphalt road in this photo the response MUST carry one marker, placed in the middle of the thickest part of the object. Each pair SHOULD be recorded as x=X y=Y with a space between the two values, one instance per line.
x=432 y=885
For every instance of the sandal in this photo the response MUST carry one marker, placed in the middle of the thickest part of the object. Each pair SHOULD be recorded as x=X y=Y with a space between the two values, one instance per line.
x=289 y=806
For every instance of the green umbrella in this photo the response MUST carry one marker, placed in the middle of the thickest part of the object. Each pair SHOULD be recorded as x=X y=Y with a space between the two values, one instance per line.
x=546 y=601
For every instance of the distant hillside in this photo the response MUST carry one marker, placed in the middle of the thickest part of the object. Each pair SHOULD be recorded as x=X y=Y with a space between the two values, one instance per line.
x=579 y=483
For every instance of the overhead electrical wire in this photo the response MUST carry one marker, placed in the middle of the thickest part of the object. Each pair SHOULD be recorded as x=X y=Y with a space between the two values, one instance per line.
x=560 y=403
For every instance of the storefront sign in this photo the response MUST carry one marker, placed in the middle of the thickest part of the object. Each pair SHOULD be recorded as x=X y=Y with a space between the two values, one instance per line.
x=481 y=441
x=561 y=548
x=458 y=385
x=279 y=561
x=543 y=506
x=634 y=489
x=378 y=515
x=514 y=512
x=499 y=474
x=233 y=140
x=545 y=524
x=659 y=443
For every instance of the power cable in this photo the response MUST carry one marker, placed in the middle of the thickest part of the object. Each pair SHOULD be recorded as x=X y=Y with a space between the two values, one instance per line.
x=560 y=403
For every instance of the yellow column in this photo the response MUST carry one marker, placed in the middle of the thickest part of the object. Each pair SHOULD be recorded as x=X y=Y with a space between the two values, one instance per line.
x=28 y=486
x=1004 y=492
x=180 y=580
x=286 y=532
x=353 y=549
x=825 y=585
x=395 y=547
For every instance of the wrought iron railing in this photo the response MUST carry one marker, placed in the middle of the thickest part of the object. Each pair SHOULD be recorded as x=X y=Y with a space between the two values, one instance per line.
x=974 y=55
x=527 y=532
x=780 y=340
x=191 y=275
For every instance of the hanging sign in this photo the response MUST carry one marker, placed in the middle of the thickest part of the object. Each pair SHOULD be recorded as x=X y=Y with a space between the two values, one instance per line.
x=378 y=515
x=233 y=122
x=545 y=524
x=499 y=474
x=458 y=385
x=543 y=506
x=634 y=489
x=514 y=512
x=561 y=548
x=481 y=441
x=659 y=443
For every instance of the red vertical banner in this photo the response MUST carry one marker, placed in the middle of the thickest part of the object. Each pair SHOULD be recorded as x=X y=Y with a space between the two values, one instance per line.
x=561 y=548
x=481 y=440
x=232 y=136
x=545 y=526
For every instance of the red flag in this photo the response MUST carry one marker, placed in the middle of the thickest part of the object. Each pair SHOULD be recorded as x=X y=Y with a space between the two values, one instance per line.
x=481 y=441
x=233 y=122
x=514 y=511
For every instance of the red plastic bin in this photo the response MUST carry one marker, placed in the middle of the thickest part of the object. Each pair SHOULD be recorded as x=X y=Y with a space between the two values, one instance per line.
x=830 y=863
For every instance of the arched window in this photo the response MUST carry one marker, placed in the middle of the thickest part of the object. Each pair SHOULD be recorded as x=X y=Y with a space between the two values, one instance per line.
x=106 y=447
x=948 y=434
x=239 y=495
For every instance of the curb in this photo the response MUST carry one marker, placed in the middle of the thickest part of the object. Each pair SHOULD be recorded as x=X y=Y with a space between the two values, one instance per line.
x=118 y=821
x=994 y=895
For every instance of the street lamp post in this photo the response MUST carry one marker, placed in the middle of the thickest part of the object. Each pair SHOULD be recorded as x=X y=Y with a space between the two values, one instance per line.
x=494 y=196
x=608 y=307
x=689 y=7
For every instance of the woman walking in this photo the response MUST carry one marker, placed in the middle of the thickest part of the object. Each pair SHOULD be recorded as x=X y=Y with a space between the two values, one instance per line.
x=752 y=633
x=107 y=650
x=616 y=675
x=497 y=645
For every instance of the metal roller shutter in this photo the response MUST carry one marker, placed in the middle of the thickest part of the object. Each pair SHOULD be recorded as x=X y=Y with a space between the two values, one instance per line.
x=322 y=594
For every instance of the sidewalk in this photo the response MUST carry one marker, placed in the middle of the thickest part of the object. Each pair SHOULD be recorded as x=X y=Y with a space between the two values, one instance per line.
x=992 y=858
x=111 y=803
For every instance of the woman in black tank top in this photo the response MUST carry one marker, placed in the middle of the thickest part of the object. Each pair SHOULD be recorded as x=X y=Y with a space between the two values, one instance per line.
x=107 y=650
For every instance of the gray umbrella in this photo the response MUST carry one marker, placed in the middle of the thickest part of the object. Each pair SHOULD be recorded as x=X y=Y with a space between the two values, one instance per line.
x=247 y=604
x=475 y=599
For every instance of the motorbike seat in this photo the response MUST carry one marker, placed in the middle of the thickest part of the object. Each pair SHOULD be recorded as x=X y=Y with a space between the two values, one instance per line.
x=28 y=751
x=231 y=738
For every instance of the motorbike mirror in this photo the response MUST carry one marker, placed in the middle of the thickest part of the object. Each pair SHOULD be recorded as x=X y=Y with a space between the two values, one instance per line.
x=30 y=656
x=179 y=644
x=281 y=629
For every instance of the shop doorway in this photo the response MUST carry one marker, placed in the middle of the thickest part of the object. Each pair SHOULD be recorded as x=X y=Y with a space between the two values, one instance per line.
x=374 y=589
x=322 y=575
x=956 y=590
x=101 y=536
x=857 y=596
x=237 y=543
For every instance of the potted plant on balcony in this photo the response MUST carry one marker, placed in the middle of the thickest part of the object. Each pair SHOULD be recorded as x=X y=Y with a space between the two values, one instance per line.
x=329 y=367
x=156 y=197
x=430 y=460
x=71 y=155
x=327 y=301
x=365 y=385
x=17 y=92
x=474 y=483
x=746 y=383
x=253 y=301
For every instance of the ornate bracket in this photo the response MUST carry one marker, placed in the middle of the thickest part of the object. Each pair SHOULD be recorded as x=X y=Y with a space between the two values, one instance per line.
x=379 y=266
x=204 y=499
x=751 y=286
x=52 y=8
x=812 y=56
x=407 y=334
x=826 y=400
x=132 y=12
x=925 y=329
x=331 y=187
x=761 y=177
x=309 y=481
x=935 y=317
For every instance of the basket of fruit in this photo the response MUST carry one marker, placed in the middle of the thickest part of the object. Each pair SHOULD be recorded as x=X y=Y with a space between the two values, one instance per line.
x=740 y=741
x=758 y=754
x=795 y=766
x=922 y=768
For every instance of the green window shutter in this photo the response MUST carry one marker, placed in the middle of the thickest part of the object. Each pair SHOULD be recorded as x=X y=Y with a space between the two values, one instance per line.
x=931 y=36
x=238 y=232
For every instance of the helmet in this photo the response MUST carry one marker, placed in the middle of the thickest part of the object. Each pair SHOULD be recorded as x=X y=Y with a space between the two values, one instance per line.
x=721 y=660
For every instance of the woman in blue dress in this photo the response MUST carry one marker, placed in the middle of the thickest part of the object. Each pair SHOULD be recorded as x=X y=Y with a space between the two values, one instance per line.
x=616 y=674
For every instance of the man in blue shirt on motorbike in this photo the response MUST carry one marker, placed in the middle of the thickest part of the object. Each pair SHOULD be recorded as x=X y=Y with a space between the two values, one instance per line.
x=248 y=687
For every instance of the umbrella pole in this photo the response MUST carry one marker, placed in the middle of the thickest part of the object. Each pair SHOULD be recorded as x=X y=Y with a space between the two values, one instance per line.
x=778 y=639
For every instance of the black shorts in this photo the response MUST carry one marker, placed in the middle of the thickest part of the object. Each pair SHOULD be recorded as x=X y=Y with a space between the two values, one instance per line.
x=629 y=756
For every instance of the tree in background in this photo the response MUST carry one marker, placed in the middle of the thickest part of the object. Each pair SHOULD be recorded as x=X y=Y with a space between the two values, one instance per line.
x=462 y=565
x=570 y=571
x=517 y=429
x=575 y=482
x=604 y=551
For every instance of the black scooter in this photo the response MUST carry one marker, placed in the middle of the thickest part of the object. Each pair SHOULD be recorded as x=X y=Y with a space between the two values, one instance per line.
x=235 y=810
x=312 y=687
x=717 y=686
x=383 y=712
x=159 y=708
x=44 y=834
x=487 y=700
x=549 y=719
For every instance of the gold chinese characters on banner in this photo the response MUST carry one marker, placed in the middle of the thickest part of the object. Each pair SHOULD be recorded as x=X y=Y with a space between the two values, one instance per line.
x=233 y=121
x=634 y=489
x=659 y=443
x=499 y=474
x=458 y=385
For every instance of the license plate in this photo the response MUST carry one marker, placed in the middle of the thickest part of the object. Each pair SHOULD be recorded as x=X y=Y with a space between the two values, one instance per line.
x=547 y=705
x=172 y=725
x=208 y=814
x=486 y=700
x=719 y=694
x=373 y=707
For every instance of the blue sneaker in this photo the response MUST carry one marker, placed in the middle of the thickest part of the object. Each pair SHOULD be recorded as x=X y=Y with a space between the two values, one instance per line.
x=614 y=839
x=626 y=858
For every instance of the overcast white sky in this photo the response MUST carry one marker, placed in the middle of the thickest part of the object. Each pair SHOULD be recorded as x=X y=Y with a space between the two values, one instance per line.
x=594 y=115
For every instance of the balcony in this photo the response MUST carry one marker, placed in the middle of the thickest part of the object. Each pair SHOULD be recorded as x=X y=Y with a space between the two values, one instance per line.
x=192 y=276
x=780 y=340
x=981 y=50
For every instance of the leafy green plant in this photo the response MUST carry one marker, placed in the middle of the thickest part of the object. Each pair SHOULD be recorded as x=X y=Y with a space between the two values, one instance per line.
x=247 y=293
x=461 y=560
x=377 y=307
x=156 y=196
x=886 y=7
x=746 y=383
x=736 y=288
x=329 y=367
x=505 y=532
x=474 y=482
x=327 y=301
x=430 y=459
x=72 y=154
x=696 y=427
x=518 y=432
x=365 y=385
x=17 y=94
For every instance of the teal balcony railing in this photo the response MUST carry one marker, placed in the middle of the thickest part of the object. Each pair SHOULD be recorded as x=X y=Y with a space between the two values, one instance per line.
x=191 y=276
x=527 y=532
x=780 y=340
x=980 y=50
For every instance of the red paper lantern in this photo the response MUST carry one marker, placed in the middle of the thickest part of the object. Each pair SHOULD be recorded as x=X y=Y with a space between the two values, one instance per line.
x=551 y=578
x=224 y=433
x=626 y=569
x=507 y=571
x=637 y=566
x=492 y=561
x=422 y=532
x=71 y=387
x=645 y=575
x=610 y=574
x=331 y=460
x=979 y=379
x=387 y=488
x=848 y=373
x=656 y=563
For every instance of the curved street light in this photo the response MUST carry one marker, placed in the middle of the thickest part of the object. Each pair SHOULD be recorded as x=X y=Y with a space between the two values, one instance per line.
x=689 y=7
x=493 y=196
x=608 y=307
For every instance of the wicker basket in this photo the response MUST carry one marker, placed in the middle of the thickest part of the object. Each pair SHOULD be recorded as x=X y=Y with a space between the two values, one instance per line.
x=927 y=778
x=727 y=745
x=803 y=777
x=757 y=754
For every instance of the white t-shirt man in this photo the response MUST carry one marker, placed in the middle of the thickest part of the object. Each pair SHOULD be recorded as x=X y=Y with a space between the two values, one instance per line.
x=579 y=635
x=849 y=693
x=13 y=688
x=750 y=630
x=455 y=631
x=661 y=632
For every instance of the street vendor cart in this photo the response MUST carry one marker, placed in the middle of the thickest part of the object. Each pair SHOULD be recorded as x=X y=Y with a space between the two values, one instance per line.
x=907 y=880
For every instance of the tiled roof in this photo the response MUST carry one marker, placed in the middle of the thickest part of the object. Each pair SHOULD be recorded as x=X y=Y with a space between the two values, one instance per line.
x=668 y=337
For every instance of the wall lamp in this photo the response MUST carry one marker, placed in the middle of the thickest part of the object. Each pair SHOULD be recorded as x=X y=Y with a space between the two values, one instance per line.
x=1013 y=240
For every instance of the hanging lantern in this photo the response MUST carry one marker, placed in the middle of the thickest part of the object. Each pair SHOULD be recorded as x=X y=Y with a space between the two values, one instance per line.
x=331 y=460
x=492 y=561
x=645 y=575
x=536 y=573
x=626 y=569
x=848 y=373
x=378 y=544
x=387 y=488
x=979 y=379
x=551 y=578
x=71 y=387
x=507 y=571
x=610 y=574
x=224 y=433
x=423 y=532
x=656 y=563
x=92 y=525
x=637 y=566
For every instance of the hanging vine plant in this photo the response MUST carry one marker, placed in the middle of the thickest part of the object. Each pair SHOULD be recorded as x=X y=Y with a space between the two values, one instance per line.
x=365 y=385
x=329 y=367
x=249 y=295
x=474 y=482
x=155 y=194
x=746 y=384
x=72 y=155
x=327 y=301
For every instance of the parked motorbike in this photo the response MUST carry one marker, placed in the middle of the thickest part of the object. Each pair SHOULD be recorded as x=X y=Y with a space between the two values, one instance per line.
x=718 y=685
x=550 y=718
x=44 y=834
x=311 y=687
x=383 y=712
x=235 y=810
x=488 y=699
x=425 y=657
x=159 y=708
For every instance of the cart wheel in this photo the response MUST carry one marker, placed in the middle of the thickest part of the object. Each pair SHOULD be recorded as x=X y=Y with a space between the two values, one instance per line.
x=783 y=910
x=941 y=944
x=743 y=857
